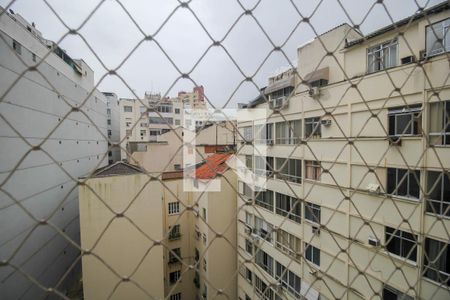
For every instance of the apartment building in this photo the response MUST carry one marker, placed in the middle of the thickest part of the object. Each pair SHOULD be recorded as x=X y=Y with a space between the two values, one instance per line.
x=113 y=122
x=143 y=121
x=163 y=238
x=38 y=115
x=168 y=153
x=355 y=203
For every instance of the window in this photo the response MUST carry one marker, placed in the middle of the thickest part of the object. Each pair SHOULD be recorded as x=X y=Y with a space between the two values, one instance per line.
x=128 y=132
x=382 y=56
x=33 y=57
x=265 y=261
x=109 y=132
x=288 y=243
x=176 y=296
x=405 y=121
x=312 y=170
x=127 y=108
x=248 y=219
x=288 y=280
x=263 y=291
x=288 y=206
x=264 y=199
x=248 y=275
x=143 y=133
x=142 y=109
x=438 y=38
x=128 y=122
x=197 y=255
x=174 y=255
x=312 y=254
x=154 y=132
x=288 y=132
x=177 y=122
x=312 y=212
x=438 y=201
x=143 y=124
x=174 y=232
x=108 y=111
x=204 y=213
x=249 y=162
x=159 y=120
x=174 y=276
x=247 y=134
x=401 y=243
x=174 y=207
x=312 y=128
x=204 y=264
x=264 y=134
x=403 y=182
x=389 y=293
x=204 y=238
x=437 y=261
x=246 y=190
x=263 y=165
x=177 y=111
x=108 y=121
x=17 y=47
x=289 y=169
x=263 y=229
x=164 y=108
x=440 y=123
x=248 y=246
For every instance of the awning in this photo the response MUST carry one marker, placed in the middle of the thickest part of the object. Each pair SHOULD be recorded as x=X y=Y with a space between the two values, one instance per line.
x=317 y=75
x=280 y=84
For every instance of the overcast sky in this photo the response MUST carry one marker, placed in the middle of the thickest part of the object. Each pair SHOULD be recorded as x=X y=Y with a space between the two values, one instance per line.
x=112 y=35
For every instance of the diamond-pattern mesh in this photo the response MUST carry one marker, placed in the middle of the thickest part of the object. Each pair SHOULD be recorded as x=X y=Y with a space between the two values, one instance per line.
x=345 y=199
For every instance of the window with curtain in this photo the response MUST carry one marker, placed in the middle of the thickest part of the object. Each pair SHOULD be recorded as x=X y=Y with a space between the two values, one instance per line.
x=440 y=123
x=437 y=261
x=313 y=169
x=312 y=128
x=438 y=38
x=289 y=169
x=264 y=199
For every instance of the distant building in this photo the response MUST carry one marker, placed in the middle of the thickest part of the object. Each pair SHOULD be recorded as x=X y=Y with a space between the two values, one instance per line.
x=142 y=121
x=37 y=111
x=113 y=121
x=160 y=210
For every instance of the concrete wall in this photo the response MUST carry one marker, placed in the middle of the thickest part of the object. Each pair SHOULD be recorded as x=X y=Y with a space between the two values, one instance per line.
x=122 y=246
x=43 y=184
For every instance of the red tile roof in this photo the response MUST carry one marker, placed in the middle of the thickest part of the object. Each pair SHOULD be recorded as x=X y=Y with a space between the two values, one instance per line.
x=214 y=165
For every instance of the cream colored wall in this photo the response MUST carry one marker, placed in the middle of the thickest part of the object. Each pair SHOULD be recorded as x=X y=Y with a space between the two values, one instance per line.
x=366 y=215
x=118 y=244
x=219 y=252
x=172 y=191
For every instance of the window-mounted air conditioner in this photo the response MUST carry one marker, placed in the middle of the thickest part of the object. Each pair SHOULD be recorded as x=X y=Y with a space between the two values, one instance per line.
x=314 y=92
x=279 y=103
x=326 y=122
x=374 y=242
x=373 y=188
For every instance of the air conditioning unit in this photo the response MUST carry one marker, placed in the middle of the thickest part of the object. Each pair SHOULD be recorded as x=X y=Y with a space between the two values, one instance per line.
x=374 y=242
x=313 y=272
x=269 y=142
x=279 y=103
x=315 y=230
x=314 y=92
x=423 y=55
x=408 y=59
x=373 y=188
x=326 y=122
x=255 y=238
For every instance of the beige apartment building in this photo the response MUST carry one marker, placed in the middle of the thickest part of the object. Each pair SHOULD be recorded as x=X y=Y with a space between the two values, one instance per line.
x=148 y=238
x=356 y=200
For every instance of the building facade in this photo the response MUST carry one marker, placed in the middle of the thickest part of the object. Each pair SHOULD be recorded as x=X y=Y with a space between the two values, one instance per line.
x=113 y=122
x=355 y=205
x=175 y=250
x=37 y=111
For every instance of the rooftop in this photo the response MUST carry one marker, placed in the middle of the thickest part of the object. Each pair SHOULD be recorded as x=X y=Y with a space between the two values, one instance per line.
x=214 y=165
x=419 y=15
x=118 y=168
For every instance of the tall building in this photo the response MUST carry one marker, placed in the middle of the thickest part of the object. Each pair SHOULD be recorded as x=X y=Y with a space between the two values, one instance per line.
x=113 y=121
x=166 y=243
x=144 y=120
x=47 y=142
x=356 y=201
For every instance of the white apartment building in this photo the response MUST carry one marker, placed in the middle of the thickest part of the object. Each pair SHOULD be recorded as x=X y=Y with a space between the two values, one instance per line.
x=356 y=202
x=113 y=122
x=143 y=121
x=37 y=116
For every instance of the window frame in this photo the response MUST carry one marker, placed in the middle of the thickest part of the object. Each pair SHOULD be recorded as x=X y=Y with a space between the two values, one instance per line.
x=312 y=254
x=445 y=30
x=430 y=262
x=262 y=199
x=173 y=207
x=381 y=48
x=391 y=235
x=294 y=213
x=281 y=163
x=313 y=212
x=440 y=183
x=415 y=120
x=394 y=188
